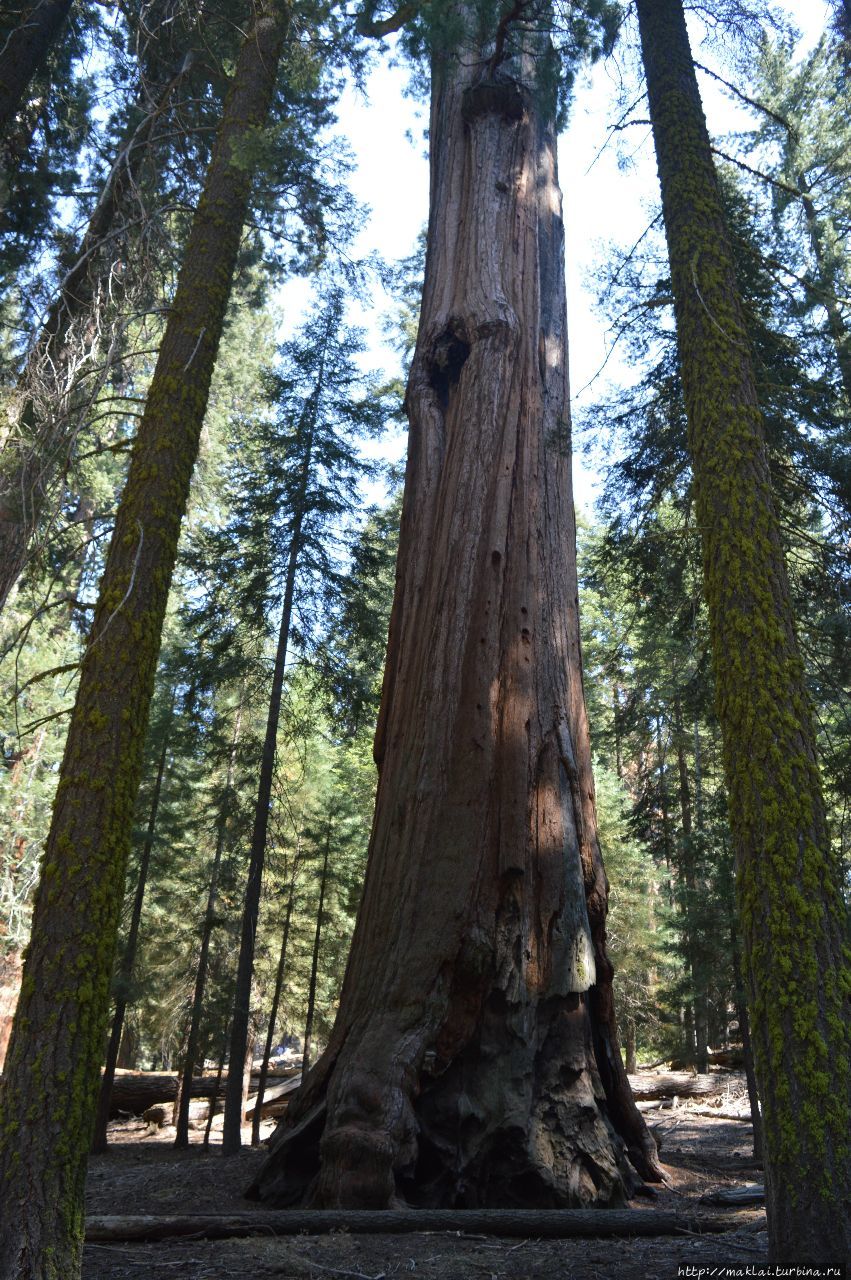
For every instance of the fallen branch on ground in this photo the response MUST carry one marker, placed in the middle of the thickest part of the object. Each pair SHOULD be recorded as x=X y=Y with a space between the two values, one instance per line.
x=541 y=1223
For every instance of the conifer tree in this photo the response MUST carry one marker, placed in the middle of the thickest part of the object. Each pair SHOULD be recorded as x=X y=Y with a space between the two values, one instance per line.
x=791 y=909
x=36 y=447
x=307 y=469
x=54 y=1055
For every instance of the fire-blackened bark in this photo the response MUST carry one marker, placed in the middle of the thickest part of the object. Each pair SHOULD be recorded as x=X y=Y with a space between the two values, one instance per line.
x=790 y=904
x=52 y=1068
x=474 y=1058
x=25 y=49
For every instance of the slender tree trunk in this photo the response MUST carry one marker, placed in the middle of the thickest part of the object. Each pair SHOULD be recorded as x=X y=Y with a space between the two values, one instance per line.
x=54 y=1056
x=25 y=51
x=698 y=779
x=790 y=904
x=314 y=963
x=184 y=1090
x=232 y=1131
x=220 y=1070
x=663 y=806
x=128 y=1052
x=693 y=949
x=631 y=1058
x=128 y=961
x=36 y=448
x=245 y=1074
x=273 y=1012
x=828 y=259
x=474 y=1059
x=616 y=721
x=747 y=1048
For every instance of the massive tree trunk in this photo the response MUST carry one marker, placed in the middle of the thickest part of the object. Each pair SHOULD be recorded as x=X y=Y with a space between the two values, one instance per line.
x=57 y=1040
x=474 y=1059
x=790 y=904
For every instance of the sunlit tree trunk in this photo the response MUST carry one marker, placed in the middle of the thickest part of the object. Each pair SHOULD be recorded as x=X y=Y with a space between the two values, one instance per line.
x=53 y=1063
x=474 y=1059
x=790 y=903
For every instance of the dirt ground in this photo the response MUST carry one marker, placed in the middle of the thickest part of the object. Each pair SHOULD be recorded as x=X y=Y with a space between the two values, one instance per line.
x=142 y=1173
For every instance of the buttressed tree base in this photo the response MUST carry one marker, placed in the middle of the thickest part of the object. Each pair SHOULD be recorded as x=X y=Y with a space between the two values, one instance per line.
x=474 y=1060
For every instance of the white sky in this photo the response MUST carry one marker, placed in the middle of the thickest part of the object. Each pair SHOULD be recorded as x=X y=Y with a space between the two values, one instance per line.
x=601 y=202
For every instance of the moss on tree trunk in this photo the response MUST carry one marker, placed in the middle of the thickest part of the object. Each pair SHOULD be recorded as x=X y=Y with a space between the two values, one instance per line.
x=50 y=1085
x=792 y=918
x=474 y=1059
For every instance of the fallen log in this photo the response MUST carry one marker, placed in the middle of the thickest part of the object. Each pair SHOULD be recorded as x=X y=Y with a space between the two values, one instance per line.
x=721 y=1113
x=134 y=1092
x=738 y=1197
x=273 y=1094
x=676 y=1084
x=527 y=1223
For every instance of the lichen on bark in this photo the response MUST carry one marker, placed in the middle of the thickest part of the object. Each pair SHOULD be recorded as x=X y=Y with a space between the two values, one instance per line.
x=789 y=880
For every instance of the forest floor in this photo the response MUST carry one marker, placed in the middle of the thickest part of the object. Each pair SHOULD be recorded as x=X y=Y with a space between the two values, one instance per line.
x=143 y=1174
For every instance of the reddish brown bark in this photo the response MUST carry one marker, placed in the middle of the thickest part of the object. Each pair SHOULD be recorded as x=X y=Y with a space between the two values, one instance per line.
x=474 y=1059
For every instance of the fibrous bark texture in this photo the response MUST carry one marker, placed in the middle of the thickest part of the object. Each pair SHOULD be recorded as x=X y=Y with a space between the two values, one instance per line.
x=790 y=902
x=474 y=1061
x=50 y=1084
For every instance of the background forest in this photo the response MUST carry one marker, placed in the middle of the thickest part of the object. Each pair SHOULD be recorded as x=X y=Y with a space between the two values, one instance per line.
x=257 y=762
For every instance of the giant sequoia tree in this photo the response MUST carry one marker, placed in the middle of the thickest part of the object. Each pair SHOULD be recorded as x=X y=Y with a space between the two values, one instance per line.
x=474 y=1058
x=789 y=880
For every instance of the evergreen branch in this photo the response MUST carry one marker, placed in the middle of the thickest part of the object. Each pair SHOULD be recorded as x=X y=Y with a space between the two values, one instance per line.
x=751 y=102
x=54 y=715
x=616 y=128
x=757 y=173
x=367 y=25
x=45 y=675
